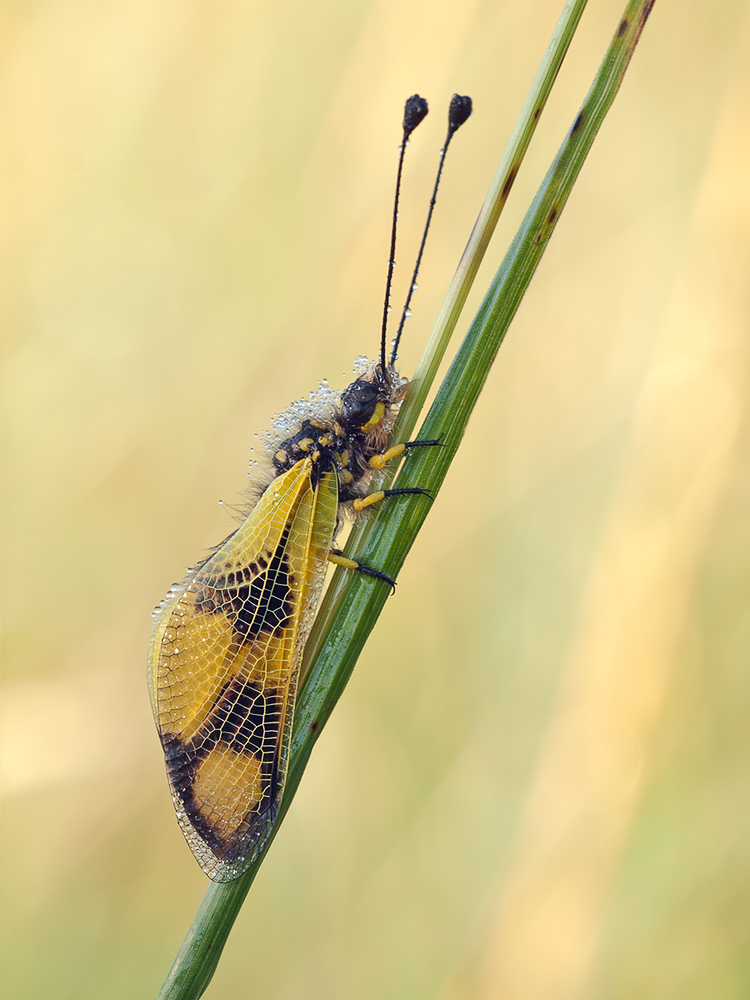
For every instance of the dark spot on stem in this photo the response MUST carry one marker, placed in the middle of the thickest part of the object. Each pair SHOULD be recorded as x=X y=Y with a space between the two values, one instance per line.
x=577 y=122
x=622 y=27
x=509 y=181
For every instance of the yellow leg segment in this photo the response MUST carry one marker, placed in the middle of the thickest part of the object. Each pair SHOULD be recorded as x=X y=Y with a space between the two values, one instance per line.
x=338 y=560
x=361 y=502
x=378 y=461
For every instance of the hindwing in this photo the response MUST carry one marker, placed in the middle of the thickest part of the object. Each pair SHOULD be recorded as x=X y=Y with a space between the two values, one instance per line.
x=224 y=665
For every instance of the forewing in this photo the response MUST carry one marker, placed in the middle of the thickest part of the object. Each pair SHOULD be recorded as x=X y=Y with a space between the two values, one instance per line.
x=223 y=669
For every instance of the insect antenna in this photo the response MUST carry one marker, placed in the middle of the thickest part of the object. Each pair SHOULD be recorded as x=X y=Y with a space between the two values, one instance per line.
x=459 y=110
x=415 y=111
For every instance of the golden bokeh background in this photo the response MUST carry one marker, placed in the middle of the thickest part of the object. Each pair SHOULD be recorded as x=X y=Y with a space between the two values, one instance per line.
x=536 y=785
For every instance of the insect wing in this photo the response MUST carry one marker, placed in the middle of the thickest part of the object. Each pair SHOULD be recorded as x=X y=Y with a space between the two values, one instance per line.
x=224 y=663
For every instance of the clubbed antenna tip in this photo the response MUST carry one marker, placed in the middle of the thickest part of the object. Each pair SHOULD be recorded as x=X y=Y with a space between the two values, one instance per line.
x=460 y=109
x=415 y=111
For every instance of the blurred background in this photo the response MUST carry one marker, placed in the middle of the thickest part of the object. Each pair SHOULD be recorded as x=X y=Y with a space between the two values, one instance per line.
x=536 y=784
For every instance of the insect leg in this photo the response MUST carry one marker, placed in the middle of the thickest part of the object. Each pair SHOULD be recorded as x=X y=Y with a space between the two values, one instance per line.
x=337 y=557
x=379 y=461
x=361 y=502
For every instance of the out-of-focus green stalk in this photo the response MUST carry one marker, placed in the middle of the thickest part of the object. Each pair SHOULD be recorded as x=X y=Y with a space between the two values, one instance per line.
x=353 y=609
x=489 y=214
x=471 y=258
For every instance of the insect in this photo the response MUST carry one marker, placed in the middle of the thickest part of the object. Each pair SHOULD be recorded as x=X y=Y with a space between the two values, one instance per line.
x=228 y=640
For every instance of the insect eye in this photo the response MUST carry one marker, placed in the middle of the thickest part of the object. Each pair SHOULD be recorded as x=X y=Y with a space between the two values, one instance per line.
x=358 y=403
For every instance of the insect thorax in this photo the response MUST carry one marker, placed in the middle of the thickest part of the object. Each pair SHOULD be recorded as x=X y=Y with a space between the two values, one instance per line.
x=358 y=427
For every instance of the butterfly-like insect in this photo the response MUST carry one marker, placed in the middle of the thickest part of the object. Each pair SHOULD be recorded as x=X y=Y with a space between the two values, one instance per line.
x=228 y=640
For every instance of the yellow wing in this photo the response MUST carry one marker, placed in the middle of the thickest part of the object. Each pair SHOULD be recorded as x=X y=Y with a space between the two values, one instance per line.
x=223 y=667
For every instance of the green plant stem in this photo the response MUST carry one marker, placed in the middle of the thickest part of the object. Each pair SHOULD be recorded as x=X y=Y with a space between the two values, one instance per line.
x=356 y=606
x=488 y=217
x=463 y=279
